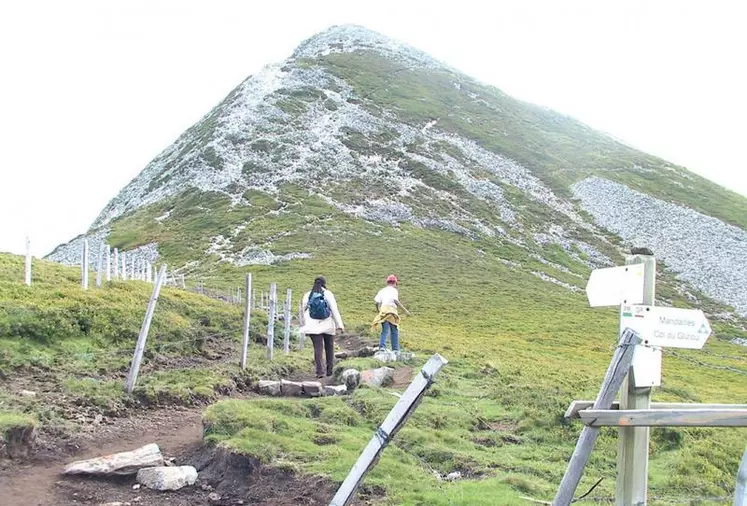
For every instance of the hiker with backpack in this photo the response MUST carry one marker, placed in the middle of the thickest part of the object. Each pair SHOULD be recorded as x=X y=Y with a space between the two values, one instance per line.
x=321 y=320
x=387 y=302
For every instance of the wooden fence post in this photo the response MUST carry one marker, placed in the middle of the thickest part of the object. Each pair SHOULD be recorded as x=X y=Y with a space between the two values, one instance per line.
x=301 y=322
x=100 y=266
x=287 y=321
x=632 y=456
x=108 y=263
x=140 y=348
x=394 y=421
x=84 y=266
x=247 y=321
x=116 y=263
x=124 y=266
x=27 y=276
x=271 y=321
x=614 y=377
x=740 y=493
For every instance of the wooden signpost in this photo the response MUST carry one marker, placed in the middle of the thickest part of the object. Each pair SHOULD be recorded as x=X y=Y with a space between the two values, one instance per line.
x=633 y=287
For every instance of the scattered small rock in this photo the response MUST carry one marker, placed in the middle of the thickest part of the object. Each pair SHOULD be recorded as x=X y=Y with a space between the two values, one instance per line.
x=167 y=478
x=213 y=497
x=352 y=378
x=291 y=388
x=335 y=390
x=98 y=419
x=456 y=475
x=207 y=488
x=342 y=355
x=136 y=486
x=119 y=463
x=381 y=377
x=27 y=393
x=267 y=387
x=313 y=388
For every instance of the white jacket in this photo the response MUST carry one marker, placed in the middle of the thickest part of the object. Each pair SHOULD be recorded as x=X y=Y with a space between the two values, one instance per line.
x=326 y=326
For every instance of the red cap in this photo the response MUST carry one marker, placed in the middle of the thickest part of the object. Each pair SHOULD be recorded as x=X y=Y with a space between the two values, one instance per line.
x=392 y=279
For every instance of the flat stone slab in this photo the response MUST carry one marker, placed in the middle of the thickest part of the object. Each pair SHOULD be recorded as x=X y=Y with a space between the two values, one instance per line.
x=167 y=478
x=123 y=463
x=313 y=388
x=267 y=387
x=291 y=388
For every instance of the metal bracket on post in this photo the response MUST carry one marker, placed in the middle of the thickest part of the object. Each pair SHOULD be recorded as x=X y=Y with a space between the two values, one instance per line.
x=632 y=457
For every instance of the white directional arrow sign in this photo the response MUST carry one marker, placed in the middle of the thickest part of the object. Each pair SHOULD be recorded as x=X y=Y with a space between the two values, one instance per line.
x=615 y=285
x=667 y=327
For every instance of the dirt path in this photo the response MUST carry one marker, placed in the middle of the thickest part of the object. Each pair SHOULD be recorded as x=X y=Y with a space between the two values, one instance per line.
x=177 y=432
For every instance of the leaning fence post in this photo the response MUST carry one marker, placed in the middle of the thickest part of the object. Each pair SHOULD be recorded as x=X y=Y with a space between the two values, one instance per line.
x=616 y=373
x=140 y=348
x=84 y=266
x=271 y=320
x=740 y=494
x=394 y=421
x=301 y=323
x=247 y=321
x=287 y=321
x=28 y=262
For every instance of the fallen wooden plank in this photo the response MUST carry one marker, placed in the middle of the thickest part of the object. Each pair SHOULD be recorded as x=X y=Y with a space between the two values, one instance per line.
x=394 y=421
x=664 y=418
x=576 y=406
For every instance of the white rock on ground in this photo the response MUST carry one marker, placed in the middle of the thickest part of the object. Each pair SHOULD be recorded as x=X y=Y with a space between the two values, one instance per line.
x=352 y=378
x=267 y=387
x=381 y=377
x=313 y=388
x=167 y=478
x=385 y=356
x=291 y=388
x=335 y=390
x=119 y=463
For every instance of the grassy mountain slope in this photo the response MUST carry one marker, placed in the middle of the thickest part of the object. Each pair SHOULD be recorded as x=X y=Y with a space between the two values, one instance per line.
x=367 y=163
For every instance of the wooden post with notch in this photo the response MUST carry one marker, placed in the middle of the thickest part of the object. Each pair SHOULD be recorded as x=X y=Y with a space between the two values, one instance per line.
x=614 y=377
x=632 y=456
x=287 y=321
x=271 y=303
x=140 y=348
x=247 y=322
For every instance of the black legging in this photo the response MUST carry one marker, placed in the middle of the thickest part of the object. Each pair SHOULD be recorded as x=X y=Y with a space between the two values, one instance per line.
x=325 y=343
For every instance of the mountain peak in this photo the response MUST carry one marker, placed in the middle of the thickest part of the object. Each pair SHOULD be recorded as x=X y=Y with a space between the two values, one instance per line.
x=352 y=38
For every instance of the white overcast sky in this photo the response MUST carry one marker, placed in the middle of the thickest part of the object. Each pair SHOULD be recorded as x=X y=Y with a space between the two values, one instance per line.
x=91 y=91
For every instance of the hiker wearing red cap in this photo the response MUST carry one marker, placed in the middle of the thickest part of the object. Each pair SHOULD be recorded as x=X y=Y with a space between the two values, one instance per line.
x=387 y=302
